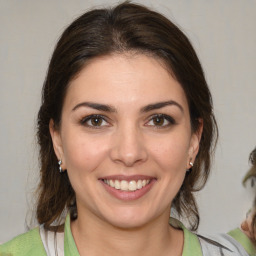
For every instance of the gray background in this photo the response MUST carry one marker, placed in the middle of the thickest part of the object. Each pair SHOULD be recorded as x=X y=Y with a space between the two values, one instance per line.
x=222 y=32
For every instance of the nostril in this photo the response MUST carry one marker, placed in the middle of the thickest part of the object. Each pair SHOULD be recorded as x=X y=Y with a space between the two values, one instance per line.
x=128 y=147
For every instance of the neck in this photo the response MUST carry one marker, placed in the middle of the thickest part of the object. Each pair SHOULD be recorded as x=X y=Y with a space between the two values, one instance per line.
x=95 y=237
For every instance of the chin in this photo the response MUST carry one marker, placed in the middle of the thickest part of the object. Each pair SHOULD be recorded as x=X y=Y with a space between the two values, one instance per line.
x=128 y=219
x=128 y=224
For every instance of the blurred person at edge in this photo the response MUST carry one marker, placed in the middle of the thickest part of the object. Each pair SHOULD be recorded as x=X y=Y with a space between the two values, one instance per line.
x=246 y=235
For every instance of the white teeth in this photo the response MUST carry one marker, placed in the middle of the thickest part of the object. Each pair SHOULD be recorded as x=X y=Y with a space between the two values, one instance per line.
x=139 y=184
x=125 y=185
x=132 y=185
x=117 y=184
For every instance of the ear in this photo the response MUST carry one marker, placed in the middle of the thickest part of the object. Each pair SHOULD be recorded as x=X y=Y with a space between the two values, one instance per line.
x=57 y=143
x=194 y=144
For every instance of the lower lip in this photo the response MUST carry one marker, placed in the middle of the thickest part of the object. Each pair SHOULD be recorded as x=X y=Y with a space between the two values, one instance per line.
x=128 y=195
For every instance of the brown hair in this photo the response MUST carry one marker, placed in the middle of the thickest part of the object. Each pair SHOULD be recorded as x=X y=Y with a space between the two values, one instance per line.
x=252 y=171
x=124 y=28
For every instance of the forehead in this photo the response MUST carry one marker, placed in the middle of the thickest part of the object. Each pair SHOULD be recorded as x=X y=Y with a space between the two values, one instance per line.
x=127 y=79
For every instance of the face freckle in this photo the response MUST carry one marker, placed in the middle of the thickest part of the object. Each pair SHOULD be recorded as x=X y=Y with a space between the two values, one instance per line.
x=125 y=139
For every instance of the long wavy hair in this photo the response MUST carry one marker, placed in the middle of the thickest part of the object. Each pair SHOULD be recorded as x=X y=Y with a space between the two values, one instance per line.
x=124 y=28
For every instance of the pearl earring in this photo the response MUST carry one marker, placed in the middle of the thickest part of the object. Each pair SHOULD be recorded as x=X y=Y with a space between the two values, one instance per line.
x=191 y=165
x=59 y=163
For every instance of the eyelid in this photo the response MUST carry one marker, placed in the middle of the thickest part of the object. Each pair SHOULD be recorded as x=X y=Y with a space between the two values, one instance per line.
x=169 y=118
x=85 y=119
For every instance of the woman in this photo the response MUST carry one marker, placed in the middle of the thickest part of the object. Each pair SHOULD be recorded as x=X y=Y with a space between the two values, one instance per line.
x=126 y=130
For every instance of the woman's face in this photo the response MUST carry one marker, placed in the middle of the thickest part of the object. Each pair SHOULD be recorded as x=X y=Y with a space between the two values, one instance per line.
x=125 y=139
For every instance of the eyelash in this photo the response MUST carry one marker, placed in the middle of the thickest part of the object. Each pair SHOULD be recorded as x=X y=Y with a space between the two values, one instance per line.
x=86 y=119
x=166 y=118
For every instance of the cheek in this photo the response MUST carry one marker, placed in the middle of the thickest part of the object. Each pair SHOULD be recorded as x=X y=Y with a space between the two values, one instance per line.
x=171 y=153
x=83 y=153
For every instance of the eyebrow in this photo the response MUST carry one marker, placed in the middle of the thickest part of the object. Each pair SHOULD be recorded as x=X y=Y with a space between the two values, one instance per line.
x=97 y=106
x=161 y=105
x=111 y=109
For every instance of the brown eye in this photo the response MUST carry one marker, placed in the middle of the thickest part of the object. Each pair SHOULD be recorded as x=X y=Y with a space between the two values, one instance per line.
x=161 y=121
x=96 y=121
x=158 y=120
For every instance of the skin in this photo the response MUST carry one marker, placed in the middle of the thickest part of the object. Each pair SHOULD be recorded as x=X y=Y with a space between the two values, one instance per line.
x=247 y=227
x=129 y=140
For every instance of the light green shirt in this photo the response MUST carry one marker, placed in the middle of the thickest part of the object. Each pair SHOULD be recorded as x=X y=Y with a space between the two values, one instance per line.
x=30 y=243
x=240 y=237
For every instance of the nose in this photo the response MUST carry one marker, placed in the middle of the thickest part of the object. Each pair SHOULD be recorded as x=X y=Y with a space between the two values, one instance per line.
x=128 y=146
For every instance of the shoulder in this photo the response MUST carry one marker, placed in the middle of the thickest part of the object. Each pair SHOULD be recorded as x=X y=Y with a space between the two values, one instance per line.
x=27 y=244
x=217 y=245
x=240 y=237
x=221 y=244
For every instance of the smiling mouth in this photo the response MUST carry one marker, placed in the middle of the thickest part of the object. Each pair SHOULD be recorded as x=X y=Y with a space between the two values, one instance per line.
x=124 y=185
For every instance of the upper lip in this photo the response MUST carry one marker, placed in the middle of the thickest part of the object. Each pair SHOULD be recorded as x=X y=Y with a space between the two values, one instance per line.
x=127 y=178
